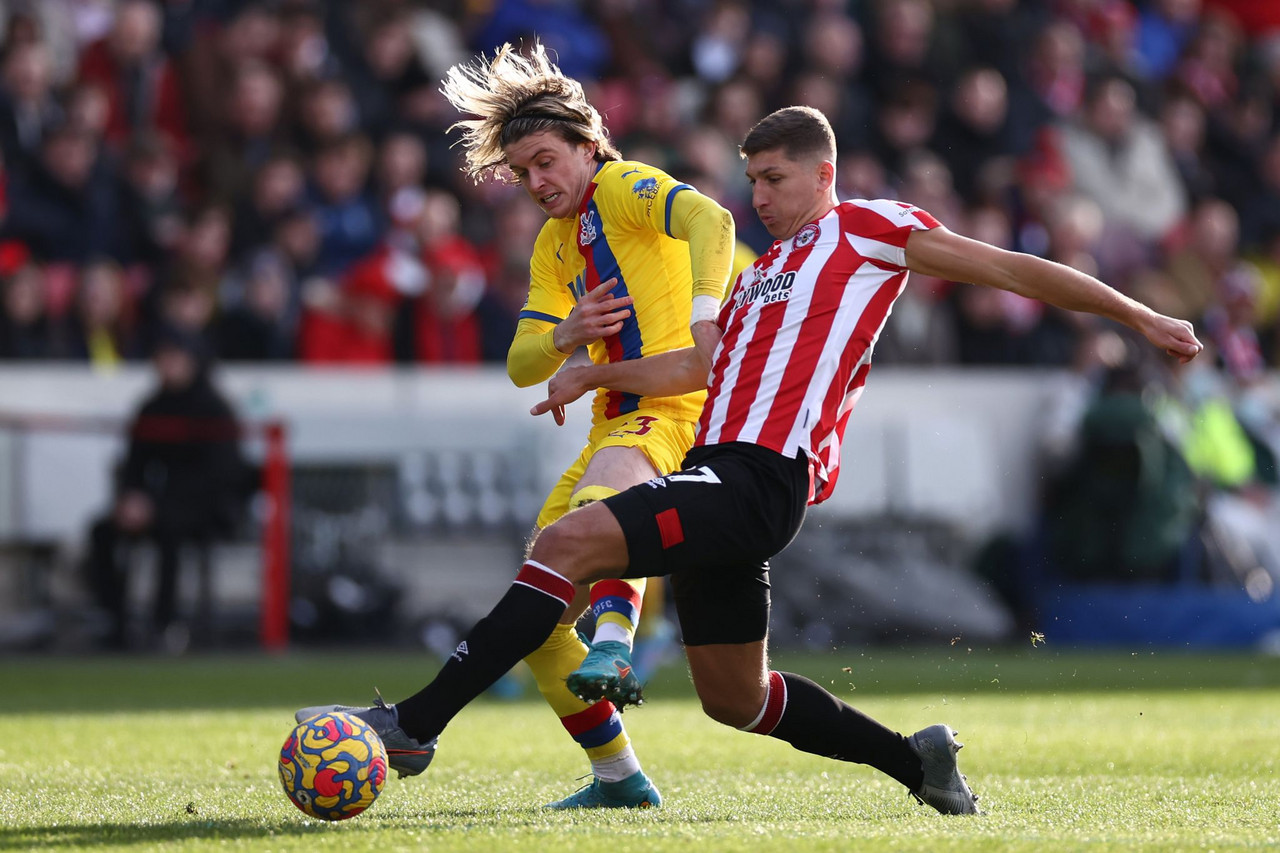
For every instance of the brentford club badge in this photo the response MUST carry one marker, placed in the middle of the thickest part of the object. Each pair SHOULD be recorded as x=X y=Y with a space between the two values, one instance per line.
x=805 y=236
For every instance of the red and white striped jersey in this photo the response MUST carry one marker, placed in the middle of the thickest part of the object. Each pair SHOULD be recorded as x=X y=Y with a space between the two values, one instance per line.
x=799 y=328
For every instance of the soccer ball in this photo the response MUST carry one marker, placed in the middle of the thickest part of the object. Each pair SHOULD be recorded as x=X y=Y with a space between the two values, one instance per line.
x=333 y=766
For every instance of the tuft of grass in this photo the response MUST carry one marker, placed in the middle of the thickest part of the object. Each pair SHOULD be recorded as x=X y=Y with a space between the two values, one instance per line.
x=1106 y=752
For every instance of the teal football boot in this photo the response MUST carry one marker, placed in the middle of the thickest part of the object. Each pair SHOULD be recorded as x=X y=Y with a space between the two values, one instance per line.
x=633 y=792
x=606 y=673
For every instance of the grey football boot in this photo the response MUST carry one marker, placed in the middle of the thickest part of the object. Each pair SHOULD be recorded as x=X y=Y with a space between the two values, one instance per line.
x=944 y=787
x=406 y=756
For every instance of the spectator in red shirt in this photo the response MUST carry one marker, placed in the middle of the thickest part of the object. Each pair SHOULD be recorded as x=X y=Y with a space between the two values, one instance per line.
x=352 y=324
x=141 y=83
x=448 y=323
x=1255 y=17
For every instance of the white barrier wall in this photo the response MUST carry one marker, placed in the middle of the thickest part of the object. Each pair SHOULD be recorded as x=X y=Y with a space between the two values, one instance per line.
x=957 y=445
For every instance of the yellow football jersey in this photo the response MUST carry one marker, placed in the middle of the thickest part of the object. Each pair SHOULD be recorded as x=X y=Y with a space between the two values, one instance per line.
x=622 y=230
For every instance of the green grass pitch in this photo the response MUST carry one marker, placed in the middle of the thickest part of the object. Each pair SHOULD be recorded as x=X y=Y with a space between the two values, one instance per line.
x=1100 y=752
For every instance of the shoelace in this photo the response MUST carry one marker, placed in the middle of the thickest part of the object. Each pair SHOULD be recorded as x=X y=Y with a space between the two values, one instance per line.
x=590 y=776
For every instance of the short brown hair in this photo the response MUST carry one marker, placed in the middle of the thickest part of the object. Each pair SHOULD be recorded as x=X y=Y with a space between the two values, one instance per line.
x=798 y=131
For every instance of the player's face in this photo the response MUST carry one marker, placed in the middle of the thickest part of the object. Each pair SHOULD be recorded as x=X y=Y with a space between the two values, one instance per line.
x=786 y=193
x=554 y=172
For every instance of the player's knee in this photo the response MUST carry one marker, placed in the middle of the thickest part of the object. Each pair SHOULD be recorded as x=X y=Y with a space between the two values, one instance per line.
x=551 y=544
x=728 y=709
x=565 y=548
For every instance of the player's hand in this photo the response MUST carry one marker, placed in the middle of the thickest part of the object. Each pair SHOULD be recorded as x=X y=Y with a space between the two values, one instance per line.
x=597 y=315
x=562 y=389
x=1176 y=337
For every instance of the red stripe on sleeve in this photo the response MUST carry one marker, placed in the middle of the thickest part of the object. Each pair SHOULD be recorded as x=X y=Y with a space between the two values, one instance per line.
x=669 y=527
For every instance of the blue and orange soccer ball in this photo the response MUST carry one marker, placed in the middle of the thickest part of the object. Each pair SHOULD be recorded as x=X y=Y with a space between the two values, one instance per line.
x=333 y=766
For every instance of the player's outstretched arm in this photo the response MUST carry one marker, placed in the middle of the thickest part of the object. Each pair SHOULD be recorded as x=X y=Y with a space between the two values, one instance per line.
x=942 y=253
x=663 y=375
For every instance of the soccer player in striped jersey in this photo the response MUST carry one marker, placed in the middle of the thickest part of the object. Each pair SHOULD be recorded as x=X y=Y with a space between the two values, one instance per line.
x=784 y=361
x=627 y=260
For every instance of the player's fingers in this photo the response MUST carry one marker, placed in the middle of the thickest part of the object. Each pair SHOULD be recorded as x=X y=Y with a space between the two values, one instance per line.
x=608 y=306
x=1189 y=335
x=556 y=410
x=617 y=302
x=600 y=293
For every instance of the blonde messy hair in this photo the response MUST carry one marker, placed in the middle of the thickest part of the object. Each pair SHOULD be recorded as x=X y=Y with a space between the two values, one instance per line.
x=516 y=96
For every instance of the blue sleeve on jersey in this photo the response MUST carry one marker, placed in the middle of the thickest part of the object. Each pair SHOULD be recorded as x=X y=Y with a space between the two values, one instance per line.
x=671 y=197
x=538 y=315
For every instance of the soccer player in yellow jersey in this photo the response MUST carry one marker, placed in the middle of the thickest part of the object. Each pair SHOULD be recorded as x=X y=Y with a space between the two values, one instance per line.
x=629 y=258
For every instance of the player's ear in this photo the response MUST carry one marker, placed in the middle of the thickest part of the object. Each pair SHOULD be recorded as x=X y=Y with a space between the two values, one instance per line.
x=826 y=173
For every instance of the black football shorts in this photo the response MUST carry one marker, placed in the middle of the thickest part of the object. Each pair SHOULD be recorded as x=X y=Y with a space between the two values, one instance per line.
x=712 y=526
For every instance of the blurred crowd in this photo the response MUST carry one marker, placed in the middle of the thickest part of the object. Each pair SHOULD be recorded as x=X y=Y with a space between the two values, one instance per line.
x=277 y=176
